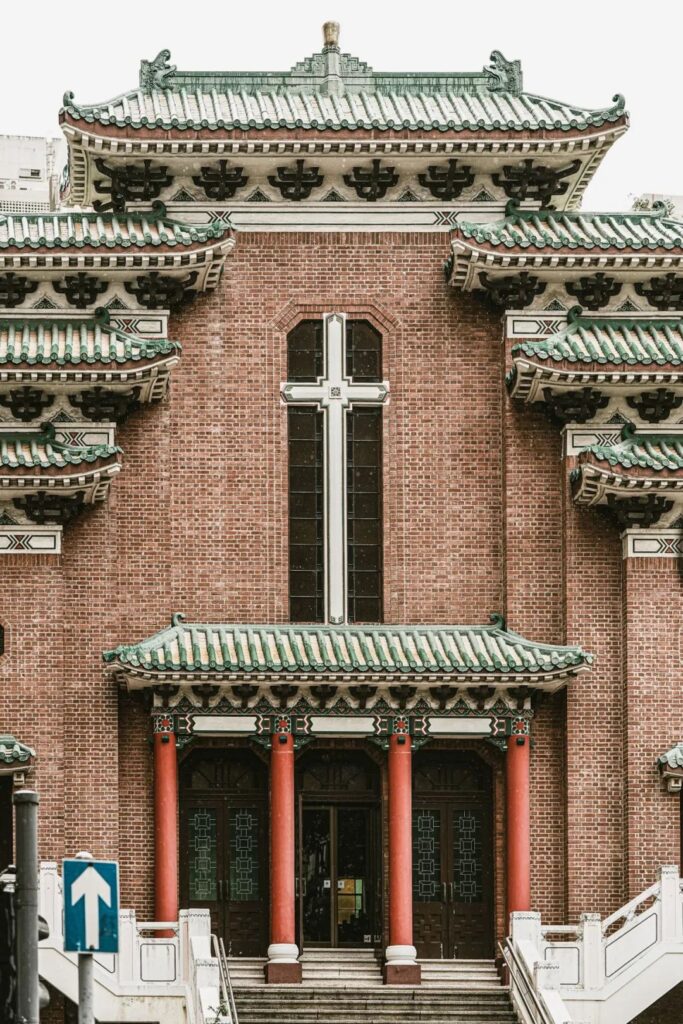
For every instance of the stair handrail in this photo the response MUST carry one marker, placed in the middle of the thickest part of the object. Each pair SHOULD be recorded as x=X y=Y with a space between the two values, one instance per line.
x=628 y=911
x=533 y=1008
x=225 y=979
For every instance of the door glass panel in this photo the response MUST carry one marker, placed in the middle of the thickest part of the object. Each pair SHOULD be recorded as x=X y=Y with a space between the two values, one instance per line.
x=202 y=854
x=426 y=855
x=243 y=828
x=316 y=874
x=467 y=856
x=353 y=919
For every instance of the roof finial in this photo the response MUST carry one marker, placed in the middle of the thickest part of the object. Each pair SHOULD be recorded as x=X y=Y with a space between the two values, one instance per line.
x=331 y=33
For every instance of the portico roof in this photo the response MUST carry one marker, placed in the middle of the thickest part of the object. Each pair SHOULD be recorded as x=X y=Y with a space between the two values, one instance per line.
x=218 y=651
x=39 y=450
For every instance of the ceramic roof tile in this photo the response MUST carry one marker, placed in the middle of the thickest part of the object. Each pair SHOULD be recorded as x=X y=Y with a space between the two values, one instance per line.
x=570 y=229
x=12 y=751
x=672 y=758
x=653 y=452
x=40 y=450
x=64 y=342
x=609 y=341
x=444 y=111
x=463 y=650
x=89 y=229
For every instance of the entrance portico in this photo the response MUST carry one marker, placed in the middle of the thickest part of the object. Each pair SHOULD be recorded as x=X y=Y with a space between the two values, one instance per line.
x=293 y=692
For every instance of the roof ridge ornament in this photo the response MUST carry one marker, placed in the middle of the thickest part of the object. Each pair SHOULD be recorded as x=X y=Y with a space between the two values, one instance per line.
x=155 y=74
x=574 y=314
x=177 y=619
x=506 y=74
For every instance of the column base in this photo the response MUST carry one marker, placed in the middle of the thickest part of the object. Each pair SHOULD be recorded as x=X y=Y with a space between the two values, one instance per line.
x=279 y=973
x=401 y=967
x=283 y=967
x=402 y=974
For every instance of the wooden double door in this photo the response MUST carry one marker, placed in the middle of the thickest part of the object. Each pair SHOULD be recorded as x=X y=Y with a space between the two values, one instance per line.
x=224 y=845
x=453 y=890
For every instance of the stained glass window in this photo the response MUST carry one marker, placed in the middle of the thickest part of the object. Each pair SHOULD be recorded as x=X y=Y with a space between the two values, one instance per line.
x=202 y=854
x=363 y=482
x=243 y=825
x=467 y=856
x=426 y=855
x=306 y=542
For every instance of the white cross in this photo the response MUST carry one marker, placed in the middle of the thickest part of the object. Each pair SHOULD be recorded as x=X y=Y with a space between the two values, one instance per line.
x=335 y=393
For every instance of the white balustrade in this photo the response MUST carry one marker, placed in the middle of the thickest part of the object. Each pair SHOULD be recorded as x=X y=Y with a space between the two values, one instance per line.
x=601 y=971
x=157 y=960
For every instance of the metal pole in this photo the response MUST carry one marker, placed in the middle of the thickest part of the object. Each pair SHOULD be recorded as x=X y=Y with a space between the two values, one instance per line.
x=86 y=1001
x=26 y=901
x=86 y=978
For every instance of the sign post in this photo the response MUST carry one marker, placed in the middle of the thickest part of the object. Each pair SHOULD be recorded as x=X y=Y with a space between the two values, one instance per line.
x=91 y=920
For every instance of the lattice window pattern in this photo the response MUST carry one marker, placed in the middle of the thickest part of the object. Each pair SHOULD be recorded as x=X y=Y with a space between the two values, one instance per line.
x=467 y=856
x=243 y=828
x=202 y=854
x=426 y=855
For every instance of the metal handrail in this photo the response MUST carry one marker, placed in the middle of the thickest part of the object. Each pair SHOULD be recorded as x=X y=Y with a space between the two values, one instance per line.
x=224 y=975
x=539 y=1014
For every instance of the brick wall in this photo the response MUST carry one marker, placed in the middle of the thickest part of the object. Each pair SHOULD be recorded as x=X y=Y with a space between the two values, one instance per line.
x=196 y=523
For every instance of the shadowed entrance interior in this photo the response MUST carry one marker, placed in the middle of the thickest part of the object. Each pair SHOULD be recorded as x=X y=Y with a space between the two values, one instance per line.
x=453 y=892
x=224 y=847
x=338 y=847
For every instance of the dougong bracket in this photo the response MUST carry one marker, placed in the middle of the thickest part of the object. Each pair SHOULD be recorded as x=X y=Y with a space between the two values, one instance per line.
x=130 y=183
x=14 y=289
x=664 y=293
x=511 y=292
x=80 y=290
x=221 y=182
x=530 y=181
x=595 y=291
x=446 y=182
x=371 y=183
x=26 y=403
x=156 y=292
x=296 y=182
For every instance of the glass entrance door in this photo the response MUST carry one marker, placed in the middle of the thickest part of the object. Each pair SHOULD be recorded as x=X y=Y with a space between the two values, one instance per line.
x=337 y=876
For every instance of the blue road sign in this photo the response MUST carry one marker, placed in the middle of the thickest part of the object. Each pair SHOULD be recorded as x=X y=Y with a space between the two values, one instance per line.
x=91 y=906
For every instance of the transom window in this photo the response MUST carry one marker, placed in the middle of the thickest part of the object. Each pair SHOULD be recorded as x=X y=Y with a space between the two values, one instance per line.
x=335 y=393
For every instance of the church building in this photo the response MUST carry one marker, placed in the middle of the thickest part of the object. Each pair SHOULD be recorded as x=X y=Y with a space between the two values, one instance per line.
x=341 y=514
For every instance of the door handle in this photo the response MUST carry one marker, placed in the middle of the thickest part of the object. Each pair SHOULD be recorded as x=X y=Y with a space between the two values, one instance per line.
x=444 y=892
x=220 y=889
x=452 y=891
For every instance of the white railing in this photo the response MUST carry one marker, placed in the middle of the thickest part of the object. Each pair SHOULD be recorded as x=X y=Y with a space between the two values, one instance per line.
x=601 y=971
x=167 y=961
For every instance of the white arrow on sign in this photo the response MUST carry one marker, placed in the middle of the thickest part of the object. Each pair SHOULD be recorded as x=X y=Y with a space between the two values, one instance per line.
x=91 y=888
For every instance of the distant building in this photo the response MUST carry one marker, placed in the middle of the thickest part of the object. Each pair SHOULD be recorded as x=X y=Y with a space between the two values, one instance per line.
x=29 y=173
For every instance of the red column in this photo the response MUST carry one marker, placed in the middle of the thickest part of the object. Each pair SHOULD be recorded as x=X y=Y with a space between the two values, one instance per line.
x=282 y=966
x=400 y=967
x=518 y=841
x=165 y=827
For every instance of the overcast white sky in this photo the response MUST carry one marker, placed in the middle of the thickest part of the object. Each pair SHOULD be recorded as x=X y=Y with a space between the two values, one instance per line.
x=578 y=51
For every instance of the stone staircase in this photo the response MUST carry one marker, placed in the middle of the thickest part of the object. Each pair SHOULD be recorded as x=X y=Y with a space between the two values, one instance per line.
x=345 y=987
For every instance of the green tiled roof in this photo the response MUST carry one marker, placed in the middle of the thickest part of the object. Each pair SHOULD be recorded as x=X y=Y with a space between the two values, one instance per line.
x=74 y=342
x=444 y=111
x=452 y=650
x=13 y=752
x=655 y=452
x=549 y=229
x=337 y=91
x=672 y=758
x=609 y=341
x=40 y=450
x=79 y=230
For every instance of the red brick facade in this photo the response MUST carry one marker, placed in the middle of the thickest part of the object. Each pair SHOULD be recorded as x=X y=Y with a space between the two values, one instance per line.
x=477 y=519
